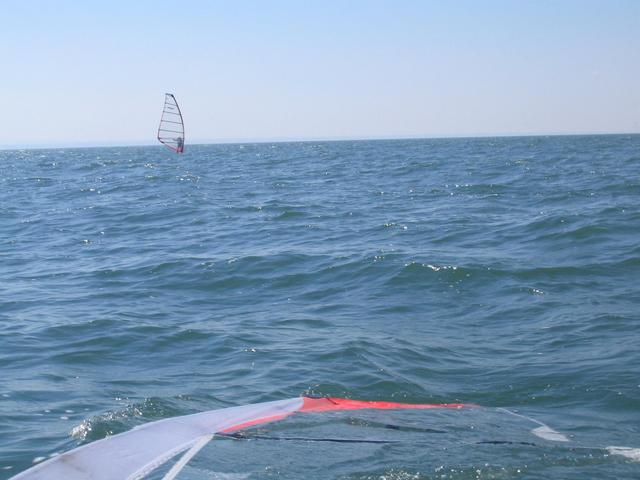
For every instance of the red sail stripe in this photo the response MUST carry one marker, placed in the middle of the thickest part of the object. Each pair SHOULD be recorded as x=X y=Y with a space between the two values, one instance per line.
x=332 y=403
x=329 y=404
x=251 y=423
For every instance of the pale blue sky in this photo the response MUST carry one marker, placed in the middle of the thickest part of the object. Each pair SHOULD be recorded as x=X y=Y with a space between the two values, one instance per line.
x=83 y=73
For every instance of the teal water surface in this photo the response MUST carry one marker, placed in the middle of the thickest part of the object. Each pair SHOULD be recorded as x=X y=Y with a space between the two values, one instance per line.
x=136 y=284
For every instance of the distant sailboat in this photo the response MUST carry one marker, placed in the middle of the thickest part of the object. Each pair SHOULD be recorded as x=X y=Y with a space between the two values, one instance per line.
x=171 y=129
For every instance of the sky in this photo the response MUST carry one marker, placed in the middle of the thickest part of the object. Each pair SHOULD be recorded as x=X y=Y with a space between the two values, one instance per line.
x=95 y=72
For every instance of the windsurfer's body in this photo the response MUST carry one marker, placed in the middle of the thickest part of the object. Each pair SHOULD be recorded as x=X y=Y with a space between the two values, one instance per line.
x=180 y=146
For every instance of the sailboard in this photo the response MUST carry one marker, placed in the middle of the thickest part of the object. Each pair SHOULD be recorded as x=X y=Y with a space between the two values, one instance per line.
x=171 y=129
x=137 y=453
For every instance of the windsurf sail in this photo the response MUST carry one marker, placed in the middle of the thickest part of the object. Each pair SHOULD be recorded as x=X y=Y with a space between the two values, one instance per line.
x=171 y=129
x=135 y=454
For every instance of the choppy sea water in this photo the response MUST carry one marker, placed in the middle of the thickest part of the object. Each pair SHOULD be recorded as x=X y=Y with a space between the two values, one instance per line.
x=136 y=285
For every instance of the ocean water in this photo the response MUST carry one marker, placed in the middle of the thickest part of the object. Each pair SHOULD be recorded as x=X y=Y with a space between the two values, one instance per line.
x=136 y=285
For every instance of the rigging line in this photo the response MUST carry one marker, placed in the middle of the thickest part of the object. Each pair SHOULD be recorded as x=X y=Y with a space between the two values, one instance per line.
x=239 y=436
x=631 y=453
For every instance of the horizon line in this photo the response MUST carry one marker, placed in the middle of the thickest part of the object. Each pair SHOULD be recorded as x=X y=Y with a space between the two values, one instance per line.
x=240 y=141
